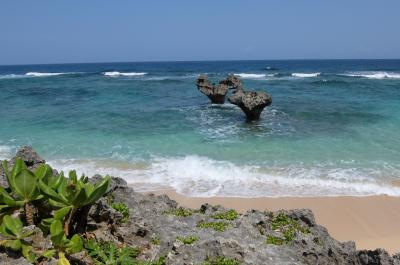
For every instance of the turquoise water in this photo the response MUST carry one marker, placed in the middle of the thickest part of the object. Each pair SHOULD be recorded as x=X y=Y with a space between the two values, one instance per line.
x=333 y=127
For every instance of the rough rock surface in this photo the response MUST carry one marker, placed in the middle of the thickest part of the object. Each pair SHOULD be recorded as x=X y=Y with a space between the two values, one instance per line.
x=216 y=93
x=251 y=102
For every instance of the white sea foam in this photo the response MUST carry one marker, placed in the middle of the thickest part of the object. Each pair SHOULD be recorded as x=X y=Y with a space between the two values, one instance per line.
x=5 y=152
x=37 y=74
x=251 y=76
x=115 y=74
x=305 y=75
x=374 y=74
x=201 y=176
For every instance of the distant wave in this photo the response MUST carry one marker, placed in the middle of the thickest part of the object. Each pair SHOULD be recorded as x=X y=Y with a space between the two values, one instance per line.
x=304 y=75
x=269 y=68
x=38 y=74
x=374 y=74
x=251 y=76
x=115 y=74
x=32 y=74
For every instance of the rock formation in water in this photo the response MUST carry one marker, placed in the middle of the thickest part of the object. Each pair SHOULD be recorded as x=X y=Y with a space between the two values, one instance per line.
x=251 y=102
x=215 y=93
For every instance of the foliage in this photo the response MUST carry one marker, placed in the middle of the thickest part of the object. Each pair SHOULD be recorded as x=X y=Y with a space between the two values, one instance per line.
x=217 y=226
x=65 y=196
x=181 y=212
x=72 y=193
x=287 y=226
x=228 y=215
x=221 y=261
x=108 y=253
x=187 y=240
x=156 y=240
x=123 y=209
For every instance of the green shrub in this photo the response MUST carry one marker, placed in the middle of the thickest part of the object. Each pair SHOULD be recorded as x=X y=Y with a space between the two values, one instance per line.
x=221 y=261
x=108 y=253
x=217 y=226
x=188 y=240
x=181 y=212
x=123 y=209
x=228 y=215
x=65 y=196
x=287 y=226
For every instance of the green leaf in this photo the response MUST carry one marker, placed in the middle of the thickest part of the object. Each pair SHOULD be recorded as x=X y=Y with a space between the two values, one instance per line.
x=13 y=244
x=62 y=260
x=4 y=164
x=99 y=190
x=56 y=233
x=75 y=244
x=7 y=199
x=61 y=213
x=26 y=184
x=19 y=165
x=14 y=225
x=27 y=252
x=51 y=193
x=44 y=171
x=49 y=253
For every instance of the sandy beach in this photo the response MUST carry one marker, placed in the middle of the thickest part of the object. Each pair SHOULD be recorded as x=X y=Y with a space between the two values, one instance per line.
x=372 y=221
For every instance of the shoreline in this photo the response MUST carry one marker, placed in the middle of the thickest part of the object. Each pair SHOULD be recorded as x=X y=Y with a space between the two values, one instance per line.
x=371 y=221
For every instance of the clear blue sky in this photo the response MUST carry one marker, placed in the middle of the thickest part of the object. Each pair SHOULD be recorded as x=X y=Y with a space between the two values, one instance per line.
x=49 y=31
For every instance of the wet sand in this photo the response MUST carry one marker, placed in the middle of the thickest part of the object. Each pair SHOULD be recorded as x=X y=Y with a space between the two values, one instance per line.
x=372 y=221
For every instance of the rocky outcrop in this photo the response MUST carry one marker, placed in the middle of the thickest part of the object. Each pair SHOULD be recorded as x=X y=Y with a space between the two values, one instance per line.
x=216 y=93
x=251 y=102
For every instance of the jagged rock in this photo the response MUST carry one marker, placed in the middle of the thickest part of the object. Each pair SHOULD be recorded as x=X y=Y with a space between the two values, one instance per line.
x=376 y=257
x=215 y=93
x=251 y=102
x=30 y=157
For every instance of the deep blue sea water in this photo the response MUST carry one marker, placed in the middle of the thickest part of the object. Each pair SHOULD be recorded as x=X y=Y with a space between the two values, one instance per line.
x=333 y=127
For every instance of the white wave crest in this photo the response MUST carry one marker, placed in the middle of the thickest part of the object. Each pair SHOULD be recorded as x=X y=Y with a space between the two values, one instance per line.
x=305 y=75
x=37 y=74
x=115 y=74
x=251 y=76
x=201 y=176
x=374 y=75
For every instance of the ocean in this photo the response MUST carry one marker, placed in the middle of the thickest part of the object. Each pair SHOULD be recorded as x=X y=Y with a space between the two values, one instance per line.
x=333 y=127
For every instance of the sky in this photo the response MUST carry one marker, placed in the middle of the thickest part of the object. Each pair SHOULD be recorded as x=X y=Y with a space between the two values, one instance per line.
x=71 y=31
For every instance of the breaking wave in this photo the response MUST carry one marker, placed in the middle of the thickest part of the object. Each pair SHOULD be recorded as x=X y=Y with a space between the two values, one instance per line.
x=37 y=74
x=304 y=75
x=204 y=177
x=374 y=75
x=251 y=76
x=115 y=74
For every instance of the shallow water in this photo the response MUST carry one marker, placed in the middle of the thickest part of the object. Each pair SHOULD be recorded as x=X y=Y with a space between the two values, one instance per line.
x=333 y=127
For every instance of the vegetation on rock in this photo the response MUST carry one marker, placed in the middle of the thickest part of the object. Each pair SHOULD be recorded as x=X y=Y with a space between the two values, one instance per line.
x=221 y=261
x=187 y=240
x=123 y=209
x=217 y=226
x=181 y=212
x=228 y=215
x=287 y=227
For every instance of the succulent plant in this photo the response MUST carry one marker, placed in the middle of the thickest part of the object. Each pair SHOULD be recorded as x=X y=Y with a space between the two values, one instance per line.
x=70 y=194
x=24 y=186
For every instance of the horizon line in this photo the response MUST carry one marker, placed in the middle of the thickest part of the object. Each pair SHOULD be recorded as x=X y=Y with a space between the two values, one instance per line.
x=199 y=61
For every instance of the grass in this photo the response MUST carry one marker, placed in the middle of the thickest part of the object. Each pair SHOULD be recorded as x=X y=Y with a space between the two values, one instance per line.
x=287 y=226
x=181 y=212
x=123 y=209
x=156 y=240
x=228 y=215
x=221 y=261
x=188 y=240
x=217 y=226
